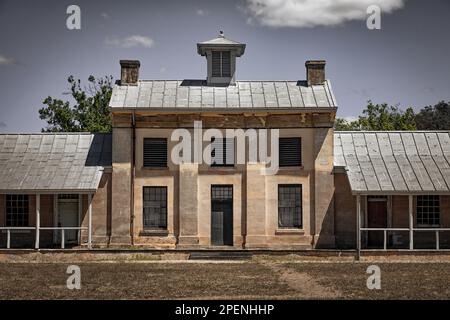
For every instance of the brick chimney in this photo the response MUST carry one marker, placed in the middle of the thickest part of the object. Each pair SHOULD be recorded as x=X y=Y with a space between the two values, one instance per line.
x=129 y=73
x=315 y=72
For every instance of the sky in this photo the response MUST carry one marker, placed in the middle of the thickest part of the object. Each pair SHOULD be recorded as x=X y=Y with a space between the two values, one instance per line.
x=406 y=62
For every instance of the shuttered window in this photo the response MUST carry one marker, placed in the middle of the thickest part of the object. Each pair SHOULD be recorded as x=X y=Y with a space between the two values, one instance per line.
x=221 y=64
x=290 y=152
x=222 y=152
x=17 y=210
x=290 y=206
x=155 y=208
x=155 y=152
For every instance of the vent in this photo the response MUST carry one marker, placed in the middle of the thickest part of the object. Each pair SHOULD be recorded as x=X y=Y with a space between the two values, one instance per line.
x=221 y=64
x=155 y=152
x=290 y=152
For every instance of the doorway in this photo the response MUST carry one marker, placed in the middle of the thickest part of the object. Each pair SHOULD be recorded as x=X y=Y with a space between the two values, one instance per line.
x=68 y=215
x=376 y=218
x=222 y=215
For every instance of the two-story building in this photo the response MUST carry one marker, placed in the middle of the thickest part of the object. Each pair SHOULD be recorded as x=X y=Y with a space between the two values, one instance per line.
x=383 y=190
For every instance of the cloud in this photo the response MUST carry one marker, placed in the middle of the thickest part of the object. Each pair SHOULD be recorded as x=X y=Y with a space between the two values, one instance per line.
x=130 y=41
x=202 y=13
x=2 y=124
x=4 y=61
x=311 y=13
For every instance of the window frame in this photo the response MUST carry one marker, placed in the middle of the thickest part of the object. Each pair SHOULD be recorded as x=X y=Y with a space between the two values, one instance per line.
x=26 y=220
x=428 y=212
x=145 y=226
x=155 y=166
x=300 y=160
x=294 y=226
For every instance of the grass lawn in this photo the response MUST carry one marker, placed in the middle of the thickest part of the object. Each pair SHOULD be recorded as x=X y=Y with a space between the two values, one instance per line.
x=246 y=280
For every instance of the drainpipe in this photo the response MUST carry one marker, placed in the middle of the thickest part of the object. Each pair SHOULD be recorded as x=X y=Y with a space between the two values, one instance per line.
x=133 y=173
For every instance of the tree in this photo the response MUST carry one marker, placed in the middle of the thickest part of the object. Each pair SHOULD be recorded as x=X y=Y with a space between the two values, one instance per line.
x=380 y=117
x=435 y=117
x=90 y=112
x=342 y=124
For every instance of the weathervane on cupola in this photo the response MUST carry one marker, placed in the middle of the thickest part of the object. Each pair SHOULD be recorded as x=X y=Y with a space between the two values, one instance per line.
x=221 y=56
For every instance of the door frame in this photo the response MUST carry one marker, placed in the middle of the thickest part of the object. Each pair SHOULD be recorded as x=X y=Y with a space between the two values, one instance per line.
x=376 y=198
x=231 y=201
x=56 y=216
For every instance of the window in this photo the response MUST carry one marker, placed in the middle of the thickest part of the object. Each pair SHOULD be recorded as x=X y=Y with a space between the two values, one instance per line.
x=290 y=206
x=155 y=208
x=428 y=210
x=155 y=152
x=17 y=209
x=290 y=152
x=221 y=64
x=222 y=152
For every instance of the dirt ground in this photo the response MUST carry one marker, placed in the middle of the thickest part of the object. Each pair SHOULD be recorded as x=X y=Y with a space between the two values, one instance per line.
x=221 y=280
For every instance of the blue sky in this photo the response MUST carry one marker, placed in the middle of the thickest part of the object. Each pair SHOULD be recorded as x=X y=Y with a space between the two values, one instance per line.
x=406 y=62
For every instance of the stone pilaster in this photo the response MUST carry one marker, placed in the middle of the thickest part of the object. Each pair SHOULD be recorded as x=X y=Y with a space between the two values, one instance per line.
x=188 y=205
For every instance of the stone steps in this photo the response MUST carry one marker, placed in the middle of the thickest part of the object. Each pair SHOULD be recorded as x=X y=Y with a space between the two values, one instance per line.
x=220 y=255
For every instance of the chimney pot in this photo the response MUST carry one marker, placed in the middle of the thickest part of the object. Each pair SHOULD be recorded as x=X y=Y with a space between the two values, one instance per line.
x=129 y=73
x=315 y=72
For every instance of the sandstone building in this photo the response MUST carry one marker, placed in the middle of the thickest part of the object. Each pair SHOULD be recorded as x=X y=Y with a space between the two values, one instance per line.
x=369 y=190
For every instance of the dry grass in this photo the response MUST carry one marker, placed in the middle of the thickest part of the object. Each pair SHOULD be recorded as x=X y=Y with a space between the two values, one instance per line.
x=250 y=280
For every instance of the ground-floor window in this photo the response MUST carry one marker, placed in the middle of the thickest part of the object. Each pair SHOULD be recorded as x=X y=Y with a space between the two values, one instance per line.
x=290 y=206
x=155 y=207
x=428 y=210
x=17 y=210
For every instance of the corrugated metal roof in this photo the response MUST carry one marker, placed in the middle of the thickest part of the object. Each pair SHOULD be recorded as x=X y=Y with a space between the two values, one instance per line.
x=165 y=95
x=48 y=162
x=407 y=161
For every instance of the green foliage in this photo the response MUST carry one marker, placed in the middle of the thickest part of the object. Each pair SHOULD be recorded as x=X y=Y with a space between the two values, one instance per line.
x=90 y=112
x=378 y=117
x=435 y=117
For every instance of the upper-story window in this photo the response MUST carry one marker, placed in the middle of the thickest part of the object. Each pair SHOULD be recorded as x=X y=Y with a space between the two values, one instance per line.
x=428 y=211
x=290 y=152
x=155 y=152
x=222 y=152
x=221 y=64
x=17 y=210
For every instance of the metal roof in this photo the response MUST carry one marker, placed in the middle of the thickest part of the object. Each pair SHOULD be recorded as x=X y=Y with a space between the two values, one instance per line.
x=395 y=162
x=195 y=95
x=53 y=162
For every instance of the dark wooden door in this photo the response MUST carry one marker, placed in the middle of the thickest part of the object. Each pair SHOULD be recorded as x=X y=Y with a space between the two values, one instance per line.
x=376 y=218
x=222 y=215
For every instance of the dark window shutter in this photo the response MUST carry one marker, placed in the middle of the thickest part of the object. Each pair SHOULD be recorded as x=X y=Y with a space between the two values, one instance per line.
x=290 y=152
x=155 y=152
x=216 y=72
x=222 y=152
x=226 y=64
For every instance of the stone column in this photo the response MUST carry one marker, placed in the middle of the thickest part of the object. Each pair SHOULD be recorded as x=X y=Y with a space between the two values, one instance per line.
x=323 y=188
x=256 y=207
x=121 y=186
x=188 y=204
